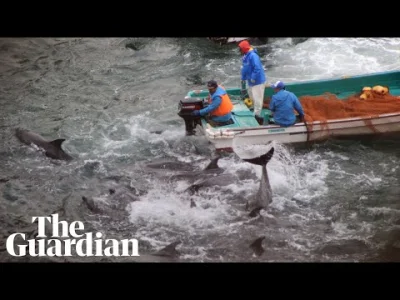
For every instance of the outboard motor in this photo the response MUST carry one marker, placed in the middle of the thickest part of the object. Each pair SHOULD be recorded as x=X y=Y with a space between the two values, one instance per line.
x=185 y=109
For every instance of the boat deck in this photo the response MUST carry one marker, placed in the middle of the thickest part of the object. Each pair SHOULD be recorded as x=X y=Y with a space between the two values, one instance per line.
x=243 y=116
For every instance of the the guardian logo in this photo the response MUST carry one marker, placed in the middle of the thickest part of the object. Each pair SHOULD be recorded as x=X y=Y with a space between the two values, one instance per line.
x=71 y=238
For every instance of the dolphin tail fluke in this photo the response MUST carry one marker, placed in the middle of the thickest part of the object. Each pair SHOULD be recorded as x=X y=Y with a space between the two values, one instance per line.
x=213 y=163
x=57 y=143
x=257 y=247
x=169 y=250
x=261 y=160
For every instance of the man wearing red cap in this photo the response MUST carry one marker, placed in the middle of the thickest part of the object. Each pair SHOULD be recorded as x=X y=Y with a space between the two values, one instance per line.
x=253 y=73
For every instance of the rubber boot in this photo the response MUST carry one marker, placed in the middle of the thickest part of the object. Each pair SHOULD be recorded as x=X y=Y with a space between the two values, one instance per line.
x=260 y=120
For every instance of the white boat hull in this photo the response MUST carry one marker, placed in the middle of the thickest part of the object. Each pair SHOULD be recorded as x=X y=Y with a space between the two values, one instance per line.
x=226 y=139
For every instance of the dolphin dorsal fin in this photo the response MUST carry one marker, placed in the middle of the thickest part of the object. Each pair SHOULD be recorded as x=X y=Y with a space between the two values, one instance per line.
x=257 y=247
x=169 y=250
x=57 y=143
x=261 y=160
x=213 y=163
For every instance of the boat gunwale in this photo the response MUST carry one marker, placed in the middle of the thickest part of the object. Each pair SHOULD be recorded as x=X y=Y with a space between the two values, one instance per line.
x=314 y=81
x=302 y=124
x=314 y=130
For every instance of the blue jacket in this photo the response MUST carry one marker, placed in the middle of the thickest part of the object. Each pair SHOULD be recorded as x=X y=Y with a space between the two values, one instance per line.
x=282 y=105
x=215 y=102
x=252 y=68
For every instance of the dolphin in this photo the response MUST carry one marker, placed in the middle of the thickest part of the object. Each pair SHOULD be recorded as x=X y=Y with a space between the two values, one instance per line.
x=166 y=254
x=264 y=194
x=91 y=205
x=52 y=148
x=176 y=170
x=169 y=165
x=257 y=247
x=163 y=168
x=116 y=202
x=211 y=169
x=213 y=175
x=122 y=195
x=168 y=251
x=219 y=180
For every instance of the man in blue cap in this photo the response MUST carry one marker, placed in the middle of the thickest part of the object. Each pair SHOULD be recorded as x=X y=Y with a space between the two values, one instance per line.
x=283 y=104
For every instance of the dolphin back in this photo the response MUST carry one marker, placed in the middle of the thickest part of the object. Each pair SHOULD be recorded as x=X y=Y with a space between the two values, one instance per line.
x=23 y=135
x=261 y=160
x=57 y=143
x=29 y=137
x=213 y=164
x=257 y=247
x=169 y=250
x=59 y=153
x=52 y=149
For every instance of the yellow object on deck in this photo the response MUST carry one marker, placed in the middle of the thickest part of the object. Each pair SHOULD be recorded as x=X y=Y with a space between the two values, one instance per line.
x=381 y=90
x=248 y=102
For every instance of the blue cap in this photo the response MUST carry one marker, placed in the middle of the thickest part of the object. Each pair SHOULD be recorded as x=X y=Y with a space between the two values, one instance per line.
x=212 y=84
x=278 y=85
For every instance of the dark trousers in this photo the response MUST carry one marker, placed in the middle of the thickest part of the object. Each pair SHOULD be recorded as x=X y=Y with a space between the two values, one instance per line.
x=217 y=124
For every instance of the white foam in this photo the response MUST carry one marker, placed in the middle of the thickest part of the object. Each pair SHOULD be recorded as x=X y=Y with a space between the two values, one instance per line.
x=167 y=207
x=319 y=58
x=163 y=207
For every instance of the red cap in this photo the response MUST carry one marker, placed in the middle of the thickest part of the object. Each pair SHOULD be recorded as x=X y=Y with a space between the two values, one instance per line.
x=244 y=46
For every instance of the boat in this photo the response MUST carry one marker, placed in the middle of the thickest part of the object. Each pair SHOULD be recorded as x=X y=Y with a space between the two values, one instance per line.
x=236 y=40
x=245 y=129
x=253 y=40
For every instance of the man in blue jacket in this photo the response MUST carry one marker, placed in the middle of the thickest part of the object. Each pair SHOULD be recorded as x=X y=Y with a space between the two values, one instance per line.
x=220 y=106
x=253 y=73
x=283 y=103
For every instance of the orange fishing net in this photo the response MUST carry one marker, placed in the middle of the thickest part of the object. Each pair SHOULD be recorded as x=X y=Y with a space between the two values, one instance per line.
x=367 y=103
